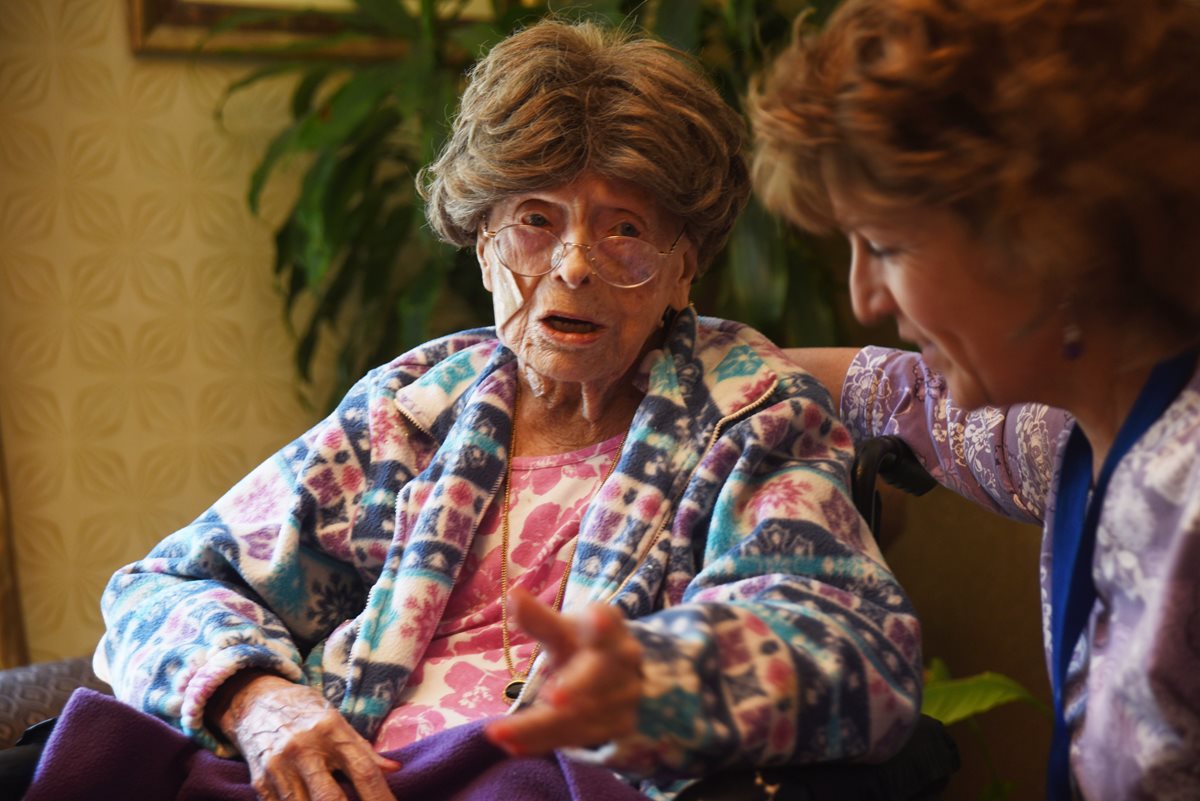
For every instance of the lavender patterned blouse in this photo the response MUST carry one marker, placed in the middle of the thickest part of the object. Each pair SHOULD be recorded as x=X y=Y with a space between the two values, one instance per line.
x=1133 y=690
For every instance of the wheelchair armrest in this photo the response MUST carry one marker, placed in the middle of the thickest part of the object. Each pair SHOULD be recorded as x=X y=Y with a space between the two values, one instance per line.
x=922 y=768
x=919 y=772
x=887 y=457
x=35 y=692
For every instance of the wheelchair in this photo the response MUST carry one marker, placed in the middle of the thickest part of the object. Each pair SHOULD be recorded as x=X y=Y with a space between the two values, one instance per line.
x=919 y=772
x=923 y=767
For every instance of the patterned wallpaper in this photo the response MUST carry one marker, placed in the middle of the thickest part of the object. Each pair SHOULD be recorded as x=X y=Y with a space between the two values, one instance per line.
x=144 y=364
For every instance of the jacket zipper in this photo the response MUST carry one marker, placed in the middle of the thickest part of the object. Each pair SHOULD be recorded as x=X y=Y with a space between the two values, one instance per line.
x=712 y=442
x=535 y=669
x=395 y=513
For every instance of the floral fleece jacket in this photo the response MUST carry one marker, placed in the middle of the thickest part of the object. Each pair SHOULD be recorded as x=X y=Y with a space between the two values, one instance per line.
x=772 y=630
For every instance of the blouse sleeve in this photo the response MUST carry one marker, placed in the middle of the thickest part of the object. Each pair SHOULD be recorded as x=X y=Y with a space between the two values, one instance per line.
x=1002 y=458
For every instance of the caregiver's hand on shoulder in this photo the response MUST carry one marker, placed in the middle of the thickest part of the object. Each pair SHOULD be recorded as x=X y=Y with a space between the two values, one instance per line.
x=293 y=740
x=595 y=684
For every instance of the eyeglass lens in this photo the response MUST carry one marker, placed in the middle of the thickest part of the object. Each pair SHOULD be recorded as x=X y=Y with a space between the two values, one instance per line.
x=619 y=260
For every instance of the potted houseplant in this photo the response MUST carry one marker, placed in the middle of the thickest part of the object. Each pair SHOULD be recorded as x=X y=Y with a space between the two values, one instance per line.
x=353 y=257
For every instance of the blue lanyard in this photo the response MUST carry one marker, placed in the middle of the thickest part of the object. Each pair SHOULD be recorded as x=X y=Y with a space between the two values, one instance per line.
x=1072 y=592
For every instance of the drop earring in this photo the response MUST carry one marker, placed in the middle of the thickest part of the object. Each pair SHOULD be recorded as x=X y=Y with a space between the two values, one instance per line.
x=1072 y=334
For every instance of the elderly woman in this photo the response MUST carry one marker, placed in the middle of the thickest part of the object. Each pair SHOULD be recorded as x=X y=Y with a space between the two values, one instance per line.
x=632 y=519
x=1020 y=183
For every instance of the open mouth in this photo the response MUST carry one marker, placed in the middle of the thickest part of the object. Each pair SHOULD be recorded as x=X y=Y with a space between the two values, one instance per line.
x=570 y=325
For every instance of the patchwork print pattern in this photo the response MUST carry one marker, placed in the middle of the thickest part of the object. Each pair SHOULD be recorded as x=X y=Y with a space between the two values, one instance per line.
x=772 y=629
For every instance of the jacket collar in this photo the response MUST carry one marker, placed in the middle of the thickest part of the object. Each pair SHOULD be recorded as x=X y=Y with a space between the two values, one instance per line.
x=711 y=368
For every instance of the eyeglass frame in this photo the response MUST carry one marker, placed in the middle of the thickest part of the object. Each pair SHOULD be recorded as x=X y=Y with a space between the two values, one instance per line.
x=587 y=249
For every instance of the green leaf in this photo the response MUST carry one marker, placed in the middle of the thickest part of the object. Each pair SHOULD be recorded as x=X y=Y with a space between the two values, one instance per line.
x=743 y=24
x=952 y=700
x=252 y=78
x=318 y=250
x=306 y=346
x=758 y=272
x=257 y=75
x=513 y=15
x=353 y=102
x=354 y=246
x=997 y=790
x=390 y=16
x=440 y=98
x=735 y=12
x=327 y=126
x=417 y=304
x=354 y=184
x=475 y=38
x=679 y=24
x=412 y=83
x=306 y=89
x=807 y=321
x=608 y=11
x=290 y=281
x=821 y=11
x=936 y=671
x=283 y=143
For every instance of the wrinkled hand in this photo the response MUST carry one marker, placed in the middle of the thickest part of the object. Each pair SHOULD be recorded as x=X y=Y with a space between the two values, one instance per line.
x=293 y=740
x=594 y=686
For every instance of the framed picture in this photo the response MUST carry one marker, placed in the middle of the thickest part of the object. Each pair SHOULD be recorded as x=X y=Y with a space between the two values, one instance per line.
x=186 y=26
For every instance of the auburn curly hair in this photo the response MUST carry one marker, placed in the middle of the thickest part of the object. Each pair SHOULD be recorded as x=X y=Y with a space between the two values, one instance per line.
x=558 y=98
x=1066 y=130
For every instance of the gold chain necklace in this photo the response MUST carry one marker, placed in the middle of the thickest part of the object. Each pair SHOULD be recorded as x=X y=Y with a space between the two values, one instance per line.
x=512 y=690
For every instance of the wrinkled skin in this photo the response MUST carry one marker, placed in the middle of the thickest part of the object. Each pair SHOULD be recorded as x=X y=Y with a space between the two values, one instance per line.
x=577 y=386
x=292 y=740
x=595 y=683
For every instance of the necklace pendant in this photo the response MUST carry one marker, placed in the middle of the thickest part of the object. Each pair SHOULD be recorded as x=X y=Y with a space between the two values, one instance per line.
x=512 y=690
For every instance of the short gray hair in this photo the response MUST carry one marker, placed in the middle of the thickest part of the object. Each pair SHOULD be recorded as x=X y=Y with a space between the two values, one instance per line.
x=558 y=98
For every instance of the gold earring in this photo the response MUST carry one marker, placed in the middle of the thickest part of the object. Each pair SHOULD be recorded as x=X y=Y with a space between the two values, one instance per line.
x=1072 y=334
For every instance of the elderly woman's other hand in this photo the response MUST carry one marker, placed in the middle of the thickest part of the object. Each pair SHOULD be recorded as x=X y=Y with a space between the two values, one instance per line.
x=595 y=684
x=293 y=739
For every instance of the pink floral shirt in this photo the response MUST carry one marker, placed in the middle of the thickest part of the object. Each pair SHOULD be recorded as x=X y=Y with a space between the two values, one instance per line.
x=462 y=676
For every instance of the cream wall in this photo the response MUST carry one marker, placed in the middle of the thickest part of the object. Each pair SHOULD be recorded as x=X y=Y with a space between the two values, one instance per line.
x=144 y=365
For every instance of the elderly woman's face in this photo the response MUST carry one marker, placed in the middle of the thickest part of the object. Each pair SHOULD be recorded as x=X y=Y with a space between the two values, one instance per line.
x=955 y=297
x=569 y=325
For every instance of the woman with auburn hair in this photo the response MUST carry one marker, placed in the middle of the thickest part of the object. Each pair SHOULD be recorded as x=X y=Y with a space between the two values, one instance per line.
x=606 y=526
x=1020 y=184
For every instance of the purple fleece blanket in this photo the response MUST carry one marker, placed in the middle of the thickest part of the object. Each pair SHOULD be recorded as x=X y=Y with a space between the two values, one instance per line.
x=103 y=749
